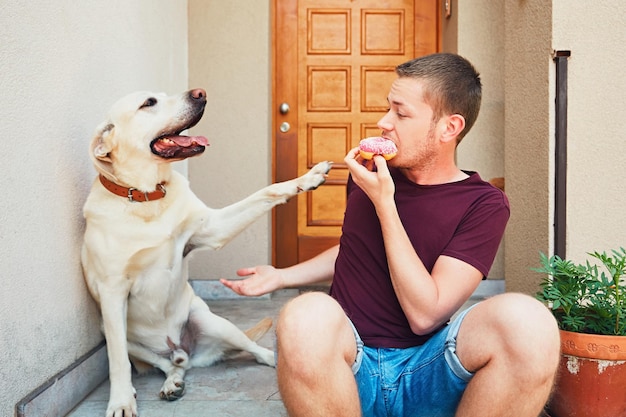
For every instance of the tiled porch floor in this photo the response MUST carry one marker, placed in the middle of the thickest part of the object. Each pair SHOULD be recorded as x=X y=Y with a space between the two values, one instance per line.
x=238 y=387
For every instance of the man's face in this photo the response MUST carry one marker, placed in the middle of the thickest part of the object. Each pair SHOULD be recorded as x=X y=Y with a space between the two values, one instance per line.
x=409 y=123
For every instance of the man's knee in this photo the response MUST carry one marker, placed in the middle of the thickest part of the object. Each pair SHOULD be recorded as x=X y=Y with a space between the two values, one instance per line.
x=307 y=312
x=539 y=343
x=526 y=318
x=516 y=328
x=314 y=324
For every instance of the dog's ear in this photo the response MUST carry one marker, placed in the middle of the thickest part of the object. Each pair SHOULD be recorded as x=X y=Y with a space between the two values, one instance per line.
x=101 y=147
x=101 y=143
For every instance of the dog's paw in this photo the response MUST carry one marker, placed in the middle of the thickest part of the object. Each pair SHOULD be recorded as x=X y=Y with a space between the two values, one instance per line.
x=126 y=409
x=315 y=177
x=265 y=356
x=122 y=401
x=173 y=388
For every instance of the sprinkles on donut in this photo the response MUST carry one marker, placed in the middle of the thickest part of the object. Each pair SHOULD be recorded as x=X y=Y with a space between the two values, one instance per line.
x=376 y=145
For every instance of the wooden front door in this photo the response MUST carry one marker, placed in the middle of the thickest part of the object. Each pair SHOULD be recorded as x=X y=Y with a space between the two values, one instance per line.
x=333 y=64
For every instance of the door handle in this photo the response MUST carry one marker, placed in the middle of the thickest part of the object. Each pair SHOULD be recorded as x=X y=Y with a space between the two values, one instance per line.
x=284 y=108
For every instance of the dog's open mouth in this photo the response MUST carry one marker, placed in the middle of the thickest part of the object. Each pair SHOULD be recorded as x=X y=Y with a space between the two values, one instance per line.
x=176 y=146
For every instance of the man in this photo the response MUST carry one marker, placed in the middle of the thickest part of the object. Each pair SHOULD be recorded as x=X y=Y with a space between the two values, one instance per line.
x=419 y=235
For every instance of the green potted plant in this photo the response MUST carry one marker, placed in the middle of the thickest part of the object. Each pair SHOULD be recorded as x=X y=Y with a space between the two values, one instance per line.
x=589 y=303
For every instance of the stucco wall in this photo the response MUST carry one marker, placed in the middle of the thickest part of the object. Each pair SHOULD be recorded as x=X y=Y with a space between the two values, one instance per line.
x=483 y=44
x=596 y=200
x=229 y=56
x=62 y=65
x=528 y=138
x=596 y=194
x=482 y=149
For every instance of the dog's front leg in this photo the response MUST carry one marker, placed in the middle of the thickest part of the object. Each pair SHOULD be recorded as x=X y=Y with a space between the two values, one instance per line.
x=222 y=225
x=113 y=305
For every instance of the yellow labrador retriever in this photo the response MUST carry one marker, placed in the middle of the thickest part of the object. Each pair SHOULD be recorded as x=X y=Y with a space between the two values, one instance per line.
x=143 y=221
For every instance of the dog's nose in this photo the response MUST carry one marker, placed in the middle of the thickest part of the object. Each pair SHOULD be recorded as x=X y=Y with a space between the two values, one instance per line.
x=198 y=93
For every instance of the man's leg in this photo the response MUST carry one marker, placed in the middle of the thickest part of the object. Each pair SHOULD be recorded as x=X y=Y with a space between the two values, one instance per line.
x=511 y=342
x=316 y=349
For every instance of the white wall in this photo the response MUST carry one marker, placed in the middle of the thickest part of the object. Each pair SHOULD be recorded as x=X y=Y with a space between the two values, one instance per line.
x=483 y=45
x=229 y=56
x=596 y=136
x=62 y=64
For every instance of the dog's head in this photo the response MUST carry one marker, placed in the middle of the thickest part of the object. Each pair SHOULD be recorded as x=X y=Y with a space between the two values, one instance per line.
x=144 y=126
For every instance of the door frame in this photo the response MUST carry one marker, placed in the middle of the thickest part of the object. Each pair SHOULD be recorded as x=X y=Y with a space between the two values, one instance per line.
x=282 y=143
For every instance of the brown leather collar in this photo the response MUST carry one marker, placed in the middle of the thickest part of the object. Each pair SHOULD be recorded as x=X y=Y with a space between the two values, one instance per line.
x=133 y=194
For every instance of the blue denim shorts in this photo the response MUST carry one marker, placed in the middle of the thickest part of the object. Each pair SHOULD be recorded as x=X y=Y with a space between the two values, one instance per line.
x=420 y=381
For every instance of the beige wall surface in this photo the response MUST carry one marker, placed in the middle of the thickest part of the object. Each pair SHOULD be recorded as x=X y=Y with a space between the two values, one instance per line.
x=229 y=56
x=596 y=202
x=482 y=149
x=596 y=195
x=528 y=138
x=62 y=65
x=483 y=44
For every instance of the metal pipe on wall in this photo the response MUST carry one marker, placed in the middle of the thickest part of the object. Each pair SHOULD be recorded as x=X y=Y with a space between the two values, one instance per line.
x=560 y=171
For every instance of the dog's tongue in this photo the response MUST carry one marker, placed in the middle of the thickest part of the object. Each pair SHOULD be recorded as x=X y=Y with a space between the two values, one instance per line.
x=187 y=141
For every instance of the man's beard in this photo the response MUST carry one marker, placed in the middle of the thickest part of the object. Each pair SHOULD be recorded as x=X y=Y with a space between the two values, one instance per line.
x=421 y=158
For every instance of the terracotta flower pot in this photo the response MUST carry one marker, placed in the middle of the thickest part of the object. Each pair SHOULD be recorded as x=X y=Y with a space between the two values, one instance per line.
x=592 y=377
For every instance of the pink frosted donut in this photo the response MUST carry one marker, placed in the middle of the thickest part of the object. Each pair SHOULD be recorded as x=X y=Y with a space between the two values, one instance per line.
x=376 y=145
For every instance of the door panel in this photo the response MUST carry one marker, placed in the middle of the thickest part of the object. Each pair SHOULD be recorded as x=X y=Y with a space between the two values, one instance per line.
x=333 y=62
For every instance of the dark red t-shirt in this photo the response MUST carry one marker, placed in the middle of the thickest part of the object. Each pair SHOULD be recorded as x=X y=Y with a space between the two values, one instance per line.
x=463 y=220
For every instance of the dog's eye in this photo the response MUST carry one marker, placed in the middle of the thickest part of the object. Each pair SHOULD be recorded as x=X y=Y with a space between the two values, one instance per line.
x=149 y=102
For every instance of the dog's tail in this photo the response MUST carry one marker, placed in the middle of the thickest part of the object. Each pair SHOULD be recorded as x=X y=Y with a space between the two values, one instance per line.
x=258 y=330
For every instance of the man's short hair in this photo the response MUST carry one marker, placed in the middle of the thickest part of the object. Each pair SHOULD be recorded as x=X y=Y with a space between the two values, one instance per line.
x=452 y=85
